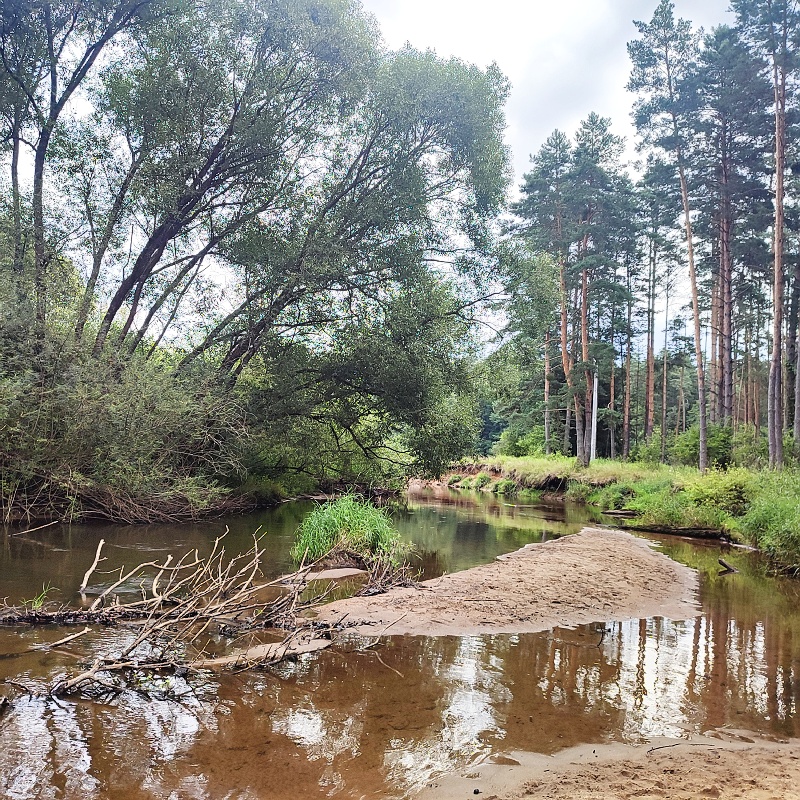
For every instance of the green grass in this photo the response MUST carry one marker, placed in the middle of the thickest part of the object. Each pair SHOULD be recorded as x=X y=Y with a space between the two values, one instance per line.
x=761 y=507
x=36 y=603
x=348 y=524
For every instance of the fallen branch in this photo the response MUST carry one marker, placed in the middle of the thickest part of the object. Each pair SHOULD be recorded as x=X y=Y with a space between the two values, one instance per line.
x=65 y=640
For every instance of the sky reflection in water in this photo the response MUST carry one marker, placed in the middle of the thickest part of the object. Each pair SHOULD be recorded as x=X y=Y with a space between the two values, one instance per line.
x=384 y=722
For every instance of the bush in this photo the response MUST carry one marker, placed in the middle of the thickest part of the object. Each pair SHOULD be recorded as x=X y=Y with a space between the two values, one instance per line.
x=671 y=507
x=686 y=449
x=728 y=491
x=350 y=524
x=481 y=480
x=454 y=479
x=505 y=486
x=772 y=523
x=577 y=492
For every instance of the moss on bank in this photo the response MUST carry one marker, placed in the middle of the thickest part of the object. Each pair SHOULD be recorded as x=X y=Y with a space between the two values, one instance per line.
x=758 y=507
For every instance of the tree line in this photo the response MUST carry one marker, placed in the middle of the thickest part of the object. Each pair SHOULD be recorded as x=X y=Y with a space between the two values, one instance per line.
x=712 y=210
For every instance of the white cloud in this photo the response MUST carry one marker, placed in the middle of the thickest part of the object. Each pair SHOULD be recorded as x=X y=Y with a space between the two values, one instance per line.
x=564 y=59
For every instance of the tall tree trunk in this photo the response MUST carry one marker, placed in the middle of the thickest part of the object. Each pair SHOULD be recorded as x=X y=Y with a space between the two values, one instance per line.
x=715 y=376
x=567 y=443
x=587 y=372
x=16 y=205
x=698 y=340
x=650 y=381
x=547 y=392
x=726 y=278
x=796 y=426
x=626 y=403
x=775 y=391
x=566 y=360
x=664 y=384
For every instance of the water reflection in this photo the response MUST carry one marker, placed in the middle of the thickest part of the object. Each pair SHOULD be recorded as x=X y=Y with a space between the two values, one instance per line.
x=384 y=721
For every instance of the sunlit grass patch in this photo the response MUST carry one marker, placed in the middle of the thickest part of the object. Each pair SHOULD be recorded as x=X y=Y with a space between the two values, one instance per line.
x=348 y=524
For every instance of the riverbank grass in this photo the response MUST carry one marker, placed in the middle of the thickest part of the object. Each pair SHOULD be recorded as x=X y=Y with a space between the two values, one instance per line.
x=349 y=525
x=759 y=507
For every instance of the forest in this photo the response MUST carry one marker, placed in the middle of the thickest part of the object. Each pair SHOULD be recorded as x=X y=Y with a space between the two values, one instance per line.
x=247 y=252
x=679 y=283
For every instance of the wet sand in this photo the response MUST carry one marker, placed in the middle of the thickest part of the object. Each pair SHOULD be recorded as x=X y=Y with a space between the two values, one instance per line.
x=597 y=575
x=730 y=767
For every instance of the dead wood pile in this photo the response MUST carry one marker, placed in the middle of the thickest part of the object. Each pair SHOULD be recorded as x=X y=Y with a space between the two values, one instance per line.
x=191 y=614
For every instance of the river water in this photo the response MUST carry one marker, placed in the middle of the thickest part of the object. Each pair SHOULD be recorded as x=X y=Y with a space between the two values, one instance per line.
x=385 y=722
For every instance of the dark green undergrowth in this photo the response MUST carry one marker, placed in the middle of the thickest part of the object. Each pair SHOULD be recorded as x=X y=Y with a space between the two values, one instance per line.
x=349 y=526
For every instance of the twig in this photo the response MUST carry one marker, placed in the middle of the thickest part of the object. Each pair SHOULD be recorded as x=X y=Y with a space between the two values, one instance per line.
x=51 y=645
x=682 y=744
x=91 y=569
x=378 y=656
x=31 y=530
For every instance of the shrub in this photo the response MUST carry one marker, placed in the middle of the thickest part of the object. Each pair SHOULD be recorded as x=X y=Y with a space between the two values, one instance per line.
x=351 y=524
x=481 y=480
x=505 y=486
x=454 y=479
x=772 y=522
x=686 y=449
x=577 y=492
x=671 y=507
x=728 y=491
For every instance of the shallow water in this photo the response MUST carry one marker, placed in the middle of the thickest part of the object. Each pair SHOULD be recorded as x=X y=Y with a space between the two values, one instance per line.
x=386 y=721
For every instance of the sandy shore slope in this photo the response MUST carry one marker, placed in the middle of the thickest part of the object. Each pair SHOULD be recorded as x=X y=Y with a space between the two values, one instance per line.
x=732 y=768
x=595 y=575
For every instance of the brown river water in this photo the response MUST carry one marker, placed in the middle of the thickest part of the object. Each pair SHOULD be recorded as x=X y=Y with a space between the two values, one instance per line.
x=387 y=721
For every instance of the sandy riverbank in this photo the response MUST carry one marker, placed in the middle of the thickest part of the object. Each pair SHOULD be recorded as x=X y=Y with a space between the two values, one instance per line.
x=596 y=575
x=731 y=767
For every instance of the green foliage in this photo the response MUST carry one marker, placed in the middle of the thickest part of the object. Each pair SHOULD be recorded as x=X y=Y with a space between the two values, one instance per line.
x=577 y=491
x=671 y=507
x=454 y=479
x=505 y=486
x=730 y=491
x=481 y=479
x=686 y=448
x=97 y=432
x=772 y=521
x=36 y=603
x=348 y=524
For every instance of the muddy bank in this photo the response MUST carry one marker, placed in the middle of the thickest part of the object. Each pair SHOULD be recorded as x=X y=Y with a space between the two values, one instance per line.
x=596 y=575
x=702 y=767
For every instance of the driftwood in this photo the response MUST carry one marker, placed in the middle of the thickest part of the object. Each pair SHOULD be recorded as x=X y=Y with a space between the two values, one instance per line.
x=183 y=608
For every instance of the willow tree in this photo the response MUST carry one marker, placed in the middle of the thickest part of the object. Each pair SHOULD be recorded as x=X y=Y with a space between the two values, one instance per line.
x=49 y=50
x=244 y=194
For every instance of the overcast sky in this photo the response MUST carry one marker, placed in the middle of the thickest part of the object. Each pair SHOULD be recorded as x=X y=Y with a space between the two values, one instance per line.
x=564 y=58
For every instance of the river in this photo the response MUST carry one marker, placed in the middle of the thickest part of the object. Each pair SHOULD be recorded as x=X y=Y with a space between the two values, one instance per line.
x=384 y=722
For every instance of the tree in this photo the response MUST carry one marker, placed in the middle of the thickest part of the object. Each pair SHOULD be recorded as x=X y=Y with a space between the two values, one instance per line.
x=772 y=27
x=662 y=59
x=48 y=50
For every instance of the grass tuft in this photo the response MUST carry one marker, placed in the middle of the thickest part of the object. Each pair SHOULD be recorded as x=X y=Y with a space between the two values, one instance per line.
x=349 y=524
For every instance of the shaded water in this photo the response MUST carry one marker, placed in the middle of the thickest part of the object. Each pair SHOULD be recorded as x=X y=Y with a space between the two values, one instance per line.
x=383 y=722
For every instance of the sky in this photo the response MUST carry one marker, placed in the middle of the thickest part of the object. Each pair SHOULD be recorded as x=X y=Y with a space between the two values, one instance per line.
x=564 y=58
